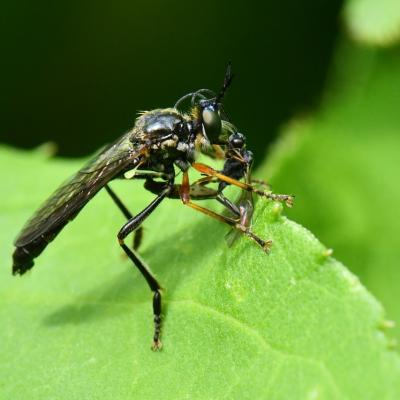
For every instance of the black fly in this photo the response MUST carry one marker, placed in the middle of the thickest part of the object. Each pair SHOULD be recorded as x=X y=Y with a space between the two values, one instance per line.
x=161 y=142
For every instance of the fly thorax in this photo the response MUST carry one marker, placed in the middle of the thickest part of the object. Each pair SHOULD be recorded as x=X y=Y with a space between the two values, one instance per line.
x=168 y=144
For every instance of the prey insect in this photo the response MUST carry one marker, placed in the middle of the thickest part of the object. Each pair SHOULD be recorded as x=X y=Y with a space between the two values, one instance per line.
x=162 y=144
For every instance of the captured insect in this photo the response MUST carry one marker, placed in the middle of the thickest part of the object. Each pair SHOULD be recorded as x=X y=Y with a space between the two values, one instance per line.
x=163 y=144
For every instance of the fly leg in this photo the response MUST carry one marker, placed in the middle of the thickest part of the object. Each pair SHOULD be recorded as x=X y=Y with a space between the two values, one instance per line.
x=196 y=191
x=260 y=182
x=130 y=226
x=233 y=222
x=138 y=234
x=205 y=169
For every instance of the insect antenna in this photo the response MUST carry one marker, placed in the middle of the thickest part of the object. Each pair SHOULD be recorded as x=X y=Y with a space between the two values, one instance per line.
x=227 y=81
x=202 y=93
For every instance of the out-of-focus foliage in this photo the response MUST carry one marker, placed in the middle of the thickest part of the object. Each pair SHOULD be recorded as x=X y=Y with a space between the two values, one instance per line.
x=373 y=22
x=344 y=164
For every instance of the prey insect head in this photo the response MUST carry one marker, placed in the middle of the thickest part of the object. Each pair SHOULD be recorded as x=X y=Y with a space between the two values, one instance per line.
x=237 y=140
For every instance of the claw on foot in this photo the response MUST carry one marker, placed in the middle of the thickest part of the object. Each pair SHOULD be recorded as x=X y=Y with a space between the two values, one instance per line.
x=264 y=244
x=289 y=201
x=267 y=246
x=156 y=346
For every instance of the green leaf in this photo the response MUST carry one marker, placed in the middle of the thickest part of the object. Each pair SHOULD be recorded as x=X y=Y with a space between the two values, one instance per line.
x=373 y=22
x=238 y=323
x=343 y=165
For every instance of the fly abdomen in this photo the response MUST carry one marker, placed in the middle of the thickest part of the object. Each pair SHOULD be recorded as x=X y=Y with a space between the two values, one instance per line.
x=24 y=255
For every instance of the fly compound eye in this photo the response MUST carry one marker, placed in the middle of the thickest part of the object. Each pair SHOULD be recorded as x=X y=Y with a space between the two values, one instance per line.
x=212 y=123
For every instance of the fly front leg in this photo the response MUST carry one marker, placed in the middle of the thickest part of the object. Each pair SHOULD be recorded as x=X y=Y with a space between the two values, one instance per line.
x=130 y=226
x=205 y=169
x=197 y=191
x=233 y=222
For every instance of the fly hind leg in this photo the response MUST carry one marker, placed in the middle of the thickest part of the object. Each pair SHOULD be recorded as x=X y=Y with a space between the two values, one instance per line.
x=130 y=226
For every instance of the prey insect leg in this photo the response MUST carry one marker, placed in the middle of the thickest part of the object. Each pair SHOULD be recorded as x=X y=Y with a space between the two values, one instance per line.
x=138 y=234
x=131 y=225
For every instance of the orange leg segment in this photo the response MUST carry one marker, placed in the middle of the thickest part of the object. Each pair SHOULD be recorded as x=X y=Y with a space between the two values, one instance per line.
x=205 y=169
x=264 y=244
x=235 y=223
x=185 y=188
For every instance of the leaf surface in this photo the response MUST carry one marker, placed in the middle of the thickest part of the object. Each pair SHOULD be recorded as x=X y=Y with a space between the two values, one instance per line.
x=238 y=323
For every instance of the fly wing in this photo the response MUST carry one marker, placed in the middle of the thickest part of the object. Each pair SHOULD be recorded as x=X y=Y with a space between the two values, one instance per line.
x=65 y=203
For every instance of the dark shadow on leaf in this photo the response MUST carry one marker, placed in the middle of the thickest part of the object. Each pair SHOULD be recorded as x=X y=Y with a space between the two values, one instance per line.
x=186 y=251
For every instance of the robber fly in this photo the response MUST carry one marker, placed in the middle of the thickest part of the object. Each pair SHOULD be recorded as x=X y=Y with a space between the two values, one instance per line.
x=162 y=144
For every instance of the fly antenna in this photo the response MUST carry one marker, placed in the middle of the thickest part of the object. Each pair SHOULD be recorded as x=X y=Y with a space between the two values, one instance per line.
x=227 y=81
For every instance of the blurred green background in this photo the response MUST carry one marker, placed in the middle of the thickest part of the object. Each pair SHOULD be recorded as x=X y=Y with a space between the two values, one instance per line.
x=76 y=73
